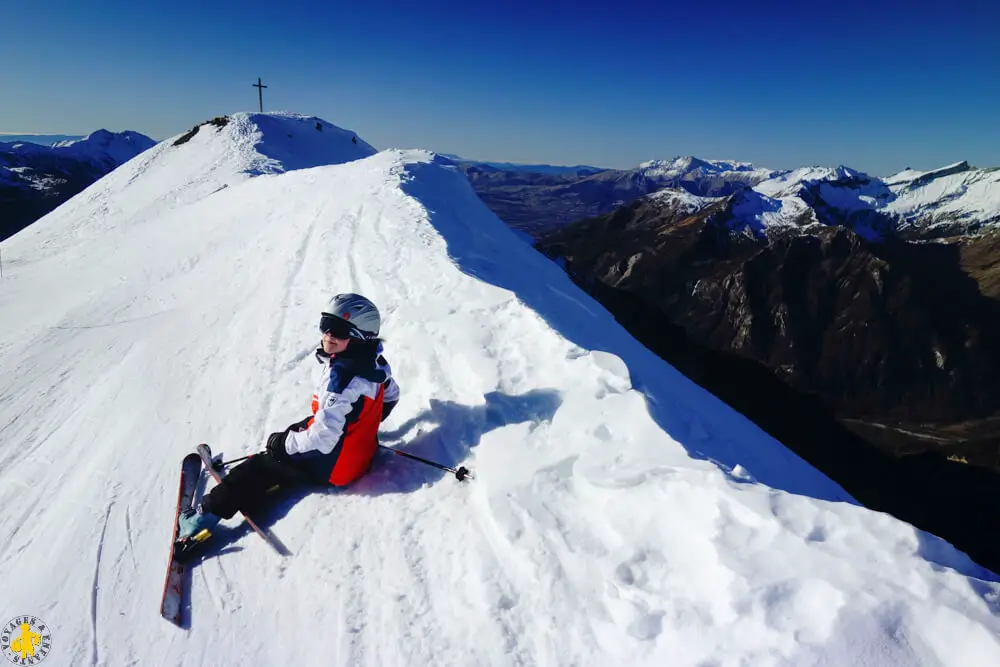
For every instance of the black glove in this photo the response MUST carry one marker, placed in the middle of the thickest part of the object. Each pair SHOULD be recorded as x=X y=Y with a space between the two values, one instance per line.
x=276 y=446
x=302 y=425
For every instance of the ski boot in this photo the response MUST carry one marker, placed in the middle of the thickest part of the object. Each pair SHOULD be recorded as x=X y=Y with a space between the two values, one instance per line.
x=193 y=527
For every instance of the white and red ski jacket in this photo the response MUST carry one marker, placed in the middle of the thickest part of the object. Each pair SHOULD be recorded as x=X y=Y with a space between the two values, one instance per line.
x=350 y=400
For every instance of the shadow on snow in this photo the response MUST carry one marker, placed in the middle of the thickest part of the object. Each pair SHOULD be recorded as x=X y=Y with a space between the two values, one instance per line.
x=444 y=433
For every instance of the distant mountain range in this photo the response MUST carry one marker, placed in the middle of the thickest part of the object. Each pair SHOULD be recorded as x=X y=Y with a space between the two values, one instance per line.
x=577 y=170
x=40 y=139
x=541 y=200
x=957 y=199
x=36 y=178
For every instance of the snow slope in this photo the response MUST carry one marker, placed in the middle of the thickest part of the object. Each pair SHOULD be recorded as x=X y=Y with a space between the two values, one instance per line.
x=620 y=515
x=956 y=192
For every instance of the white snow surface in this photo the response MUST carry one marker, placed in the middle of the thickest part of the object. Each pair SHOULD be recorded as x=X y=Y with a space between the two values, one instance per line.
x=620 y=515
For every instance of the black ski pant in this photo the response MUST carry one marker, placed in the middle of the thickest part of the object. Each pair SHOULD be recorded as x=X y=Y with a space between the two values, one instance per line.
x=252 y=484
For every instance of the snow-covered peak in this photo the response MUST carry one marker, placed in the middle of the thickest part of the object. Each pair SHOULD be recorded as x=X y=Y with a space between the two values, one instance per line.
x=922 y=178
x=911 y=175
x=284 y=141
x=792 y=182
x=679 y=166
x=119 y=147
x=903 y=176
x=101 y=147
x=955 y=196
x=620 y=514
x=188 y=167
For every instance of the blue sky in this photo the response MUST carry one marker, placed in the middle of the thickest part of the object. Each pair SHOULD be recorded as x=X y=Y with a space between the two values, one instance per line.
x=877 y=86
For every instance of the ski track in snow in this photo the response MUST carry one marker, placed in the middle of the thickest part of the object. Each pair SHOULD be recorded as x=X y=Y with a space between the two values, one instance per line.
x=95 y=655
x=605 y=525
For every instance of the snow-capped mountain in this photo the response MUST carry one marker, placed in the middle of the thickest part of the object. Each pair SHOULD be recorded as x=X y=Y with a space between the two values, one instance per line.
x=102 y=149
x=704 y=178
x=690 y=168
x=620 y=514
x=953 y=200
x=35 y=178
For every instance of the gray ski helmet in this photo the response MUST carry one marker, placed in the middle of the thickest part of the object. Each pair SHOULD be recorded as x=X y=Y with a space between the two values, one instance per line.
x=358 y=311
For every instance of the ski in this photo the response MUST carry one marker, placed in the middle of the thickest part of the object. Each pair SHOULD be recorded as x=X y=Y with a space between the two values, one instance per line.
x=215 y=470
x=174 y=587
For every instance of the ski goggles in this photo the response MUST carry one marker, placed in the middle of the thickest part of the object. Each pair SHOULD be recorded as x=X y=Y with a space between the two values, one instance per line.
x=338 y=327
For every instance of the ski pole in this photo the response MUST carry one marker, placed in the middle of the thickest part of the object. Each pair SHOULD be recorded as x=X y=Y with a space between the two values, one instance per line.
x=242 y=458
x=461 y=474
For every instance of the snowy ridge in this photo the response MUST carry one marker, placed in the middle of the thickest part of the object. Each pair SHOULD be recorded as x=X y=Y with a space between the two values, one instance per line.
x=911 y=176
x=965 y=198
x=620 y=515
x=171 y=177
x=949 y=194
x=794 y=182
x=102 y=145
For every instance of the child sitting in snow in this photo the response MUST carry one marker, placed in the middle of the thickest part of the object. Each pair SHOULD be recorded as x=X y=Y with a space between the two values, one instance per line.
x=354 y=393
